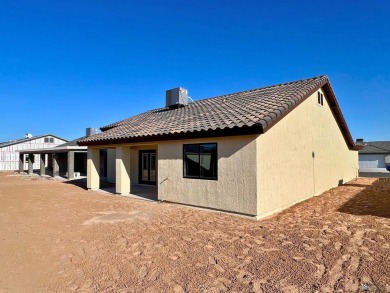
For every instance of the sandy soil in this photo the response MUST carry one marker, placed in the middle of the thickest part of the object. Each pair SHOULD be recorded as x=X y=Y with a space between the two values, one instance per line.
x=57 y=237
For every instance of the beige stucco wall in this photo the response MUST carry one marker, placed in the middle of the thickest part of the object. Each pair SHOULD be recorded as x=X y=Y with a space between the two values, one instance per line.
x=235 y=189
x=122 y=170
x=93 y=164
x=287 y=172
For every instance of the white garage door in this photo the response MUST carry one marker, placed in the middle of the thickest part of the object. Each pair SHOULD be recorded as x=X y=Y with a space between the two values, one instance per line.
x=371 y=161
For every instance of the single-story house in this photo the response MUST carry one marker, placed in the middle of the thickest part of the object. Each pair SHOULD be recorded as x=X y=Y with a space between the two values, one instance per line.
x=10 y=151
x=254 y=152
x=67 y=159
x=374 y=156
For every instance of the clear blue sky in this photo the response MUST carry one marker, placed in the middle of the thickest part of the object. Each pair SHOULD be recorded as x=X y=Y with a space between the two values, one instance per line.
x=68 y=65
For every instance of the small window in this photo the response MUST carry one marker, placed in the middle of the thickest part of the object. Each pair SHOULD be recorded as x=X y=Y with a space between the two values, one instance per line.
x=46 y=139
x=51 y=139
x=200 y=161
x=320 y=98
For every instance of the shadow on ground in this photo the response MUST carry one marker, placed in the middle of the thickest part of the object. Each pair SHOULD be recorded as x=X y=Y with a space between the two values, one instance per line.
x=374 y=174
x=144 y=191
x=374 y=200
x=82 y=182
x=137 y=190
x=357 y=185
x=78 y=182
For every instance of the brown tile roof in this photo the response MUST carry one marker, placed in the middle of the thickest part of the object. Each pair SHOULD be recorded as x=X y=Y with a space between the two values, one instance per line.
x=252 y=111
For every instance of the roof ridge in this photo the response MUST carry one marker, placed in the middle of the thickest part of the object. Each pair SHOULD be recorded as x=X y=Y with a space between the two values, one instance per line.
x=265 y=87
x=24 y=139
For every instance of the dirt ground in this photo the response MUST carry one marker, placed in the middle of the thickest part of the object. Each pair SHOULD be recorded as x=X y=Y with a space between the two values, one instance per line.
x=58 y=237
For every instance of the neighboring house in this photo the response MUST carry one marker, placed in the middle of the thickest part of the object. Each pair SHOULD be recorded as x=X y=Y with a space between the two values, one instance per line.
x=375 y=156
x=68 y=159
x=254 y=152
x=9 y=151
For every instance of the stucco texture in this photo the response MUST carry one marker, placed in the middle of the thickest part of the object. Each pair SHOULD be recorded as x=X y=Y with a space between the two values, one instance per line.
x=93 y=161
x=235 y=189
x=303 y=155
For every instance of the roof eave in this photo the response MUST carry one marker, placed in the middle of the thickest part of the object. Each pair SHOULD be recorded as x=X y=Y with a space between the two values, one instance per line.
x=336 y=110
x=54 y=150
x=235 y=131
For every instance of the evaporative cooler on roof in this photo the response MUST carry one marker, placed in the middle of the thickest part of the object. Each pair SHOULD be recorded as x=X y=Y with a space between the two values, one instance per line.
x=176 y=97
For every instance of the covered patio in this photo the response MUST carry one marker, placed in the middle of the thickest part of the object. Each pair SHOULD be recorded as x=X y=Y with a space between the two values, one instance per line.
x=128 y=170
x=138 y=191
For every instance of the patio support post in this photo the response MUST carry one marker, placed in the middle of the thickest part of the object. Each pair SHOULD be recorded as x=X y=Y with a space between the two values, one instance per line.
x=70 y=164
x=30 y=164
x=122 y=170
x=42 y=164
x=21 y=163
x=56 y=166
x=93 y=166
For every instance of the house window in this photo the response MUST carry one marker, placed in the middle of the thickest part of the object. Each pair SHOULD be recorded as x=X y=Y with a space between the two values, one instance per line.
x=200 y=161
x=320 y=98
x=49 y=139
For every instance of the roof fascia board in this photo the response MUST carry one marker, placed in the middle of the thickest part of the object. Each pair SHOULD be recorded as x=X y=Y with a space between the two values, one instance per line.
x=235 y=131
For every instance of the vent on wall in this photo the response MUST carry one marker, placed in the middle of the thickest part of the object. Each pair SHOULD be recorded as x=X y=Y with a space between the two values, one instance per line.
x=177 y=97
x=320 y=99
x=49 y=139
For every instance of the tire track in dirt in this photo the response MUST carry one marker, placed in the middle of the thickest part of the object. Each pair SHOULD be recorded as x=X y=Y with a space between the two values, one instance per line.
x=342 y=275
